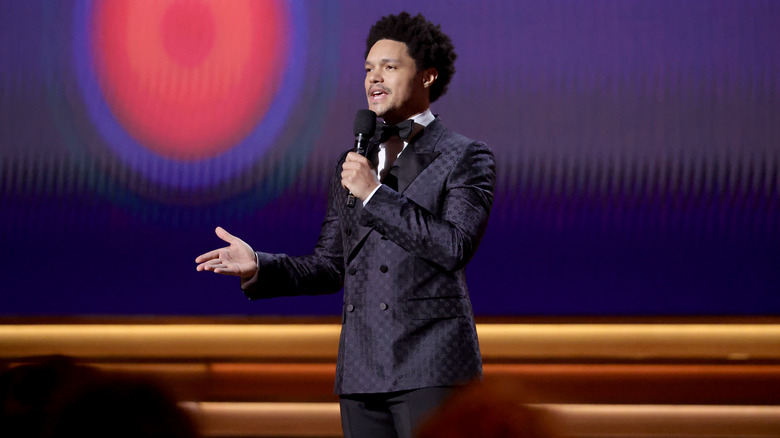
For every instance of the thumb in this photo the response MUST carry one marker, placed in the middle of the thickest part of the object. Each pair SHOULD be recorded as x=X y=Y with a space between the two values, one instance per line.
x=224 y=235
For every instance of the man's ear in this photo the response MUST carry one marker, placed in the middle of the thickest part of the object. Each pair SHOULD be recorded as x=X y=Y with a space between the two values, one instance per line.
x=429 y=77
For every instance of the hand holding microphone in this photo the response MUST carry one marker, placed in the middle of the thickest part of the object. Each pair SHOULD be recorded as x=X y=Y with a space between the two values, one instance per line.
x=356 y=174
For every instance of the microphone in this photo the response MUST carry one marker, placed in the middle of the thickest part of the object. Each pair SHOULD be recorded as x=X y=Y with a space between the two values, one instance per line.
x=364 y=127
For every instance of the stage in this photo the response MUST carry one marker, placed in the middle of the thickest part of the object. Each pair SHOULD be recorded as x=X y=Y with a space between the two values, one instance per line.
x=594 y=379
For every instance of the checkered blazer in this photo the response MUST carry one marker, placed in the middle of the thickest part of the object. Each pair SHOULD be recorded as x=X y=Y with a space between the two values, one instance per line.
x=407 y=319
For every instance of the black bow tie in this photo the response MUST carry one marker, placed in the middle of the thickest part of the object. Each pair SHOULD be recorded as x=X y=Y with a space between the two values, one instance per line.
x=403 y=130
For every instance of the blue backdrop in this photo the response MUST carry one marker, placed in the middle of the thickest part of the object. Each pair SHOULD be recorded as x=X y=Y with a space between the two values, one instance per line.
x=638 y=150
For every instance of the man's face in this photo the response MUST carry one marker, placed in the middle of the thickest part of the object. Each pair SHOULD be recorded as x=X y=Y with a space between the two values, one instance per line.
x=394 y=88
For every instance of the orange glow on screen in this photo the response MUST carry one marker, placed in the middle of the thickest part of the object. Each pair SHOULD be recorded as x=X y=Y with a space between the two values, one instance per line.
x=189 y=78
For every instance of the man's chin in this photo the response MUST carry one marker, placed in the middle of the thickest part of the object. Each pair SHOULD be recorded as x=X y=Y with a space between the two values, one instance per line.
x=380 y=110
x=390 y=117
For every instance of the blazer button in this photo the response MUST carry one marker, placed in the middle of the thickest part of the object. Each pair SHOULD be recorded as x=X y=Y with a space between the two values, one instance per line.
x=383 y=306
x=383 y=268
x=352 y=271
x=350 y=308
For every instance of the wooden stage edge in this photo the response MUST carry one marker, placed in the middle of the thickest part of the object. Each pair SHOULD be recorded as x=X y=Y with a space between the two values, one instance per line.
x=730 y=343
x=275 y=379
x=322 y=420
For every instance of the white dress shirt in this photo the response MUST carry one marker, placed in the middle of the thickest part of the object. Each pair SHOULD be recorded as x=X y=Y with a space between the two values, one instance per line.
x=422 y=119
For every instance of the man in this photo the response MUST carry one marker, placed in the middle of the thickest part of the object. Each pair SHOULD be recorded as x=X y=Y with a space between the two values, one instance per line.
x=408 y=334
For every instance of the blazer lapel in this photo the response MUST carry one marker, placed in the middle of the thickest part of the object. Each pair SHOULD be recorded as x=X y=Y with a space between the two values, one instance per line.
x=415 y=158
x=356 y=233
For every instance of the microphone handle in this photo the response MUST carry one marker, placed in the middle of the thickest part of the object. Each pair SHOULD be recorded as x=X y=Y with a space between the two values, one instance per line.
x=360 y=148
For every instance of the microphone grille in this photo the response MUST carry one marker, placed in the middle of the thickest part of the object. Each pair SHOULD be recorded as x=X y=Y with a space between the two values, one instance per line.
x=365 y=123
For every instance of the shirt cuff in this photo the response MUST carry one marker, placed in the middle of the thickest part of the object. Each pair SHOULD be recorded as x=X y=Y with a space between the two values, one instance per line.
x=368 y=198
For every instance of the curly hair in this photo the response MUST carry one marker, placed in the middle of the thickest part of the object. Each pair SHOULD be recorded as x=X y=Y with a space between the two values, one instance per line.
x=425 y=42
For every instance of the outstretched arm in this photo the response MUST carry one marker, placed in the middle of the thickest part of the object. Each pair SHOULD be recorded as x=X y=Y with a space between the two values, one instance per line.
x=236 y=259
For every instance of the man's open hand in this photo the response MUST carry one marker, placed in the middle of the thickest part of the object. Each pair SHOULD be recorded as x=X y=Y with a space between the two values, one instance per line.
x=237 y=259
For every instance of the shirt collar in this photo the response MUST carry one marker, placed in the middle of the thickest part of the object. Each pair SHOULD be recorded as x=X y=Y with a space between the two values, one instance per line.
x=424 y=118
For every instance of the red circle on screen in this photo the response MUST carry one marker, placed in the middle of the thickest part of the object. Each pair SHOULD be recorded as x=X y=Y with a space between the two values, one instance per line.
x=188 y=79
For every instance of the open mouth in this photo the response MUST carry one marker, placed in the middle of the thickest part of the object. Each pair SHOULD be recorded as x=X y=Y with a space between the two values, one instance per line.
x=377 y=94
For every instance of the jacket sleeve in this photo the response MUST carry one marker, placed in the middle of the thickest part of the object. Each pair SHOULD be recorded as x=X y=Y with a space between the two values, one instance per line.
x=318 y=273
x=448 y=238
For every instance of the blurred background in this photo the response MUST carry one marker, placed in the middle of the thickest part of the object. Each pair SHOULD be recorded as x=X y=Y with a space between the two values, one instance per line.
x=637 y=143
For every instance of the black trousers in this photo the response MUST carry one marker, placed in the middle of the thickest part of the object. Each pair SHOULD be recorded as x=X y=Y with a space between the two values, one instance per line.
x=389 y=415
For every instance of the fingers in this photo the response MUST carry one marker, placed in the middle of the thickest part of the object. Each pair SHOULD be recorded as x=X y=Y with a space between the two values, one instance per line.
x=217 y=267
x=224 y=235
x=360 y=182
x=350 y=167
x=235 y=259
x=211 y=255
x=356 y=167
x=207 y=260
x=208 y=265
x=348 y=176
x=355 y=157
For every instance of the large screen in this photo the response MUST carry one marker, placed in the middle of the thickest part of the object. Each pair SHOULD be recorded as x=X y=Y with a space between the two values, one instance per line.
x=637 y=147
